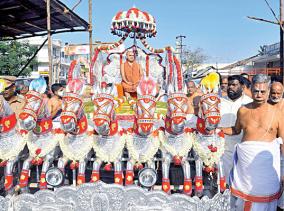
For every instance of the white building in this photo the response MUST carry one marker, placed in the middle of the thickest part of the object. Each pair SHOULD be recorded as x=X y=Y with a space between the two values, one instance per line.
x=42 y=57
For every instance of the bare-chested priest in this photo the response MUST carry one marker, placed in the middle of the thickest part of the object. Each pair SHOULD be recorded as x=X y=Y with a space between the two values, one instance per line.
x=255 y=177
x=131 y=73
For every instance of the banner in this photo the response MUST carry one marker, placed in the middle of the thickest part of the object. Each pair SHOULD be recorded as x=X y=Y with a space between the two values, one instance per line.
x=76 y=50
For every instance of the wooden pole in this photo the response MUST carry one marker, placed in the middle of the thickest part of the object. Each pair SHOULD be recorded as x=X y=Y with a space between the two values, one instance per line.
x=281 y=38
x=90 y=30
x=49 y=42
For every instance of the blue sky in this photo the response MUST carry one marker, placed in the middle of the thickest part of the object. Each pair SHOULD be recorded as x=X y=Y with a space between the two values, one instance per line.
x=219 y=27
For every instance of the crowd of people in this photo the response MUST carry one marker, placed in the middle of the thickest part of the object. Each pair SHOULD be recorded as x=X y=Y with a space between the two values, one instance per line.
x=252 y=120
x=16 y=89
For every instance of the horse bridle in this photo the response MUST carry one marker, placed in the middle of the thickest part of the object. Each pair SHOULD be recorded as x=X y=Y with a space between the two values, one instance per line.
x=213 y=106
x=146 y=111
x=31 y=97
x=100 y=113
x=70 y=98
x=178 y=106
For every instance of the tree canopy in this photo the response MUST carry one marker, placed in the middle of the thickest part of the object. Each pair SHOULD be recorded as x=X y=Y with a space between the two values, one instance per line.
x=191 y=59
x=13 y=57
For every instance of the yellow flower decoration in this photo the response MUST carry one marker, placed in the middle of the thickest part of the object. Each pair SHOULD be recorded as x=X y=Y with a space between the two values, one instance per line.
x=211 y=82
x=3 y=85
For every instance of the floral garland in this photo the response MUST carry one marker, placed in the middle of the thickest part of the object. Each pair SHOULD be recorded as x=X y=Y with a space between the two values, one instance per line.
x=47 y=149
x=153 y=50
x=187 y=144
x=80 y=153
x=154 y=142
x=13 y=152
x=115 y=153
x=209 y=154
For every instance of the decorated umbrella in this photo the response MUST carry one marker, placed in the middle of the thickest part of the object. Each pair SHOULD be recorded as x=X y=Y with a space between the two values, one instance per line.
x=134 y=22
x=138 y=24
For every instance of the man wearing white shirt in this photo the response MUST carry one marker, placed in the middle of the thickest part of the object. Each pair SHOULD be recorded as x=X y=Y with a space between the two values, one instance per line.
x=230 y=105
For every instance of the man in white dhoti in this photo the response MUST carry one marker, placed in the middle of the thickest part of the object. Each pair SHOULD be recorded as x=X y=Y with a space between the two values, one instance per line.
x=230 y=105
x=255 y=177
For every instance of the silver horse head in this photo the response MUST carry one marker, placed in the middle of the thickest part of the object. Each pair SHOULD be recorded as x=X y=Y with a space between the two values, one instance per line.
x=33 y=108
x=145 y=106
x=72 y=107
x=176 y=113
x=104 y=105
x=210 y=111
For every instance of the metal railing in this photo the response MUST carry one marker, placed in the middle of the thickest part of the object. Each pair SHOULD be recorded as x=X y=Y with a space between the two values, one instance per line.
x=254 y=71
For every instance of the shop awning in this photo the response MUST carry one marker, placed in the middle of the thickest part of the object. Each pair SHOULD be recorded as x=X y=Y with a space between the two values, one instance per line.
x=27 y=18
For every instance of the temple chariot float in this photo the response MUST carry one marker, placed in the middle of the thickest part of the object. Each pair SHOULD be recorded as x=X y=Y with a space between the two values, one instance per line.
x=108 y=151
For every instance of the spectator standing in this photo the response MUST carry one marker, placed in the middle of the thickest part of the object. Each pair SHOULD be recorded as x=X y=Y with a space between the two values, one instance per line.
x=229 y=107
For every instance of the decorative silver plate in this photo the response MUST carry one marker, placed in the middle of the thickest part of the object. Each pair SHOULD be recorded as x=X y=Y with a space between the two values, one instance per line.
x=111 y=197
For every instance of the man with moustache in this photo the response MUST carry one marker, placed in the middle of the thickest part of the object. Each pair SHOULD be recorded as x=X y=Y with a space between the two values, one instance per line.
x=276 y=95
x=17 y=103
x=224 y=86
x=255 y=177
x=229 y=107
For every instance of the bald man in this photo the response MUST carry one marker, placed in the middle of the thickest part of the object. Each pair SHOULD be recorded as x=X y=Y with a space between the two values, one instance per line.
x=193 y=98
x=276 y=95
x=131 y=73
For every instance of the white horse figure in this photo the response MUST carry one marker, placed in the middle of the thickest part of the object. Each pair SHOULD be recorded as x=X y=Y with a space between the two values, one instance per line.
x=144 y=143
x=11 y=142
x=78 y=143
x=209 y=143
x=109 y=141
x=36 y=119
x=177 y=141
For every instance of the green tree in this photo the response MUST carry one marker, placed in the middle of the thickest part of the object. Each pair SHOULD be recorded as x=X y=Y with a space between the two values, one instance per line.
x=13 y=57
x=193 y=58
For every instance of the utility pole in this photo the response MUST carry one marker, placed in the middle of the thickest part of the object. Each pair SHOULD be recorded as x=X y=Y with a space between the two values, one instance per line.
x=281 y=38
x=279 y=22
x=90 y=30
x=49 y=42
x=180 y=46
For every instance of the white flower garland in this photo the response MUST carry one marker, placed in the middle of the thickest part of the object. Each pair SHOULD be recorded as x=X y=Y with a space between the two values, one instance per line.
x=80 y=153
x=149 y=154
x=187 y=144
x=114 y=154
x=14 y=150
x=48 y=147
x=209 y=158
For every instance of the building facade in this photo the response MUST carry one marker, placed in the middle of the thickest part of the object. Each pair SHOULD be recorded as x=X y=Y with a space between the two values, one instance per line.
x=42 y=67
